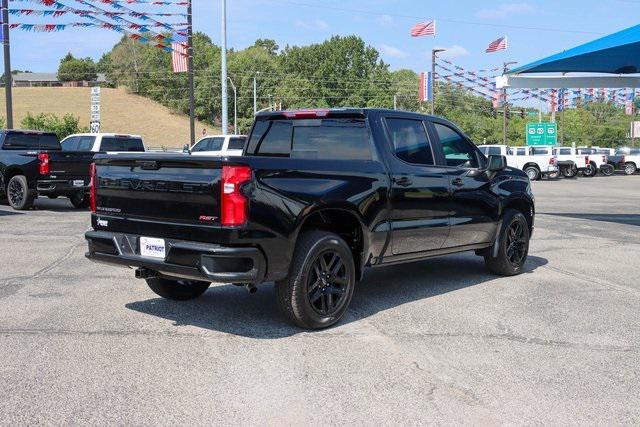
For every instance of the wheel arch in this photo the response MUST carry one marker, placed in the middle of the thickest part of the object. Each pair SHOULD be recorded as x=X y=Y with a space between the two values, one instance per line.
x=346 y=222
x=524 y=206
x=9 y=173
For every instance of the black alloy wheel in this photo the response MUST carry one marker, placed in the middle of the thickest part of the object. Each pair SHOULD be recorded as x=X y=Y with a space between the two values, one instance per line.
x=16 y=193
x=327 y=283
x=516 y=243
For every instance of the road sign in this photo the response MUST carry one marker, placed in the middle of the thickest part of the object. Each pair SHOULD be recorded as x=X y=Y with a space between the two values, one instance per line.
x=542 y=133
x=95 y=91
x=95 y=117
x=95 y=127
x=95 y=110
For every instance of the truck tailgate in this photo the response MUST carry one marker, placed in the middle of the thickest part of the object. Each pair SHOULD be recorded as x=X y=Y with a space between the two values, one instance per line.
x=174 y=189
x=69 y=164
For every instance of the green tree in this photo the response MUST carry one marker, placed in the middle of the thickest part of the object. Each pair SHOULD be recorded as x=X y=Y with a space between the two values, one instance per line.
x=75 y=69
x=63 y=127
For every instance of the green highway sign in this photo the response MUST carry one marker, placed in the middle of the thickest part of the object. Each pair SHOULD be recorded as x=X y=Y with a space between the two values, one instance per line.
x=542 y=133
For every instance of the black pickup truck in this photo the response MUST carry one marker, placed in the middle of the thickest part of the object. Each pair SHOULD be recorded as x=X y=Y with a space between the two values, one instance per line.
x=317 y=197
x=32 y=163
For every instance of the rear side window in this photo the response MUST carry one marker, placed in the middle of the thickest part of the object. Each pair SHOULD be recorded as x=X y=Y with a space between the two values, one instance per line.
x=71 y=143
x=521 y=151
x=565 y=151
x=33 y=141
x=237 y=143
x=322 y=139
x=121 y=144
x=410 y=141
x=540 y=151
x=457 y=150
x=78 y=143
x=493 y=151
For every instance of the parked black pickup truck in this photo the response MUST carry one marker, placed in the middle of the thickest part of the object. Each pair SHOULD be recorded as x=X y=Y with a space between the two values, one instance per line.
x=32 y=163
x=317 y=197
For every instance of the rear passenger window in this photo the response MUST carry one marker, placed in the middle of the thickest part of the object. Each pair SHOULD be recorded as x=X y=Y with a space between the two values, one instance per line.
x=271 y=138
x=410 y=141
x=521 y=152
x=493 y=151
x=120 y=144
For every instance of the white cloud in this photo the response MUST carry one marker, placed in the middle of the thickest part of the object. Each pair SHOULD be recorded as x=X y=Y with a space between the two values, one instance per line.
x=317 y=24
x=392 y=51
x=386 y=21
x=505 y=10
x=450 y=52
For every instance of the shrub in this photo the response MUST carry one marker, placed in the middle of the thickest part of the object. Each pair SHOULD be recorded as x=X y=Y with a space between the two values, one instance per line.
x=63 y=127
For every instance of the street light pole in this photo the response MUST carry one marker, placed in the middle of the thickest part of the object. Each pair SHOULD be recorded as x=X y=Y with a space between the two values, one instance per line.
x=235 y=107
x=223 y=71
x=505 y=104
x=434 y=52
x=7 y=63
x=255 y=93
x=192 y=111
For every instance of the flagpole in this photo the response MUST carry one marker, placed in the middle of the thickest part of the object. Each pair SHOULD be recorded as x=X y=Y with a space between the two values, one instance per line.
x=192 y=121
x=7 y=63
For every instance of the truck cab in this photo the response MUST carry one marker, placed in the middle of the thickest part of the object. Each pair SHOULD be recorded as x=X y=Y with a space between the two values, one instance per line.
x=103 y=142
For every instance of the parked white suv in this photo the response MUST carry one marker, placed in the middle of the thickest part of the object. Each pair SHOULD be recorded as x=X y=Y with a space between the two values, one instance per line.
x=103 y=143
x=535 y=163
x=218 y=145
x=598 y=161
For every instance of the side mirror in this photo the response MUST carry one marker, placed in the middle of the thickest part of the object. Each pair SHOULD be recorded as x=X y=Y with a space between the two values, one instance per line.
x=185 y=149
x=497 y=163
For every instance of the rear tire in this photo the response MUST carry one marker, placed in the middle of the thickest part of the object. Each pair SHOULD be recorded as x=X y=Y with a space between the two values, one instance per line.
x=513 y=242
x=320 y=285
x=532 y=172
x=80 y=200
x=570 y=172
x=177 y=290
x=630 y=168
x=18 y=193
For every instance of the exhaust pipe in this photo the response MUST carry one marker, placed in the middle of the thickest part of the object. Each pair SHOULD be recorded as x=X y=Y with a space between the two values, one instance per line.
x=145 y=273
x=251 y=288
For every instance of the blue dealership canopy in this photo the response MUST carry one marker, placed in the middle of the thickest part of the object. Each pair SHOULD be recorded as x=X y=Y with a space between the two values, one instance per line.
x=618 y=53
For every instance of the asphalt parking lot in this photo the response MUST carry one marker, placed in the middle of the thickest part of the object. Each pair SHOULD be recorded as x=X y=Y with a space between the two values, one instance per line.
x=432 y=342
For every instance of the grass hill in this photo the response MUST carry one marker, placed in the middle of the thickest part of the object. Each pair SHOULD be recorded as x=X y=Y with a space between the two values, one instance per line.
x=121 y=112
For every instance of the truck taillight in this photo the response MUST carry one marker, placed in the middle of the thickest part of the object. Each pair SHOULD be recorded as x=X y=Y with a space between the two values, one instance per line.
x=586 y=160
x=92 y=187
x=233 y=209
x=604 y=159
x=552 y=161
x=44 y=163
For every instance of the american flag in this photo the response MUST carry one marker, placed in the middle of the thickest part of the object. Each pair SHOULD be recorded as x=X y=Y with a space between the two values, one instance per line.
x=496 y=45
x=179 y=54
x=424 y=29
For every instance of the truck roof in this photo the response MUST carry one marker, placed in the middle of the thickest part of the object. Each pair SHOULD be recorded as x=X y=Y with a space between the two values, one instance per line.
x=27 y=131
x=108 y=134
x=330 y=112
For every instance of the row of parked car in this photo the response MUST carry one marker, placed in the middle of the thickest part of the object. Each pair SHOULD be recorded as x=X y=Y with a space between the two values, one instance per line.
x=34 y=163
x=552 y=161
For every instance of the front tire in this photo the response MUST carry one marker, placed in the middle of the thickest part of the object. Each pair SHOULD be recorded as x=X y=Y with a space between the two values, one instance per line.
x=607 y=170
x=570 y=172
x=320 y=285
x=590 y=171
x=177 y=290
x=513 y=244
x=18 y=193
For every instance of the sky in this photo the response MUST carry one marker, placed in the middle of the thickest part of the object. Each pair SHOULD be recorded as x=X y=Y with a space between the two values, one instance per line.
x=535 y=29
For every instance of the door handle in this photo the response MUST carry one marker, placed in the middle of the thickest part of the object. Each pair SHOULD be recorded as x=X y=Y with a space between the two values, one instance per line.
x=403 y=182
x=457 y=182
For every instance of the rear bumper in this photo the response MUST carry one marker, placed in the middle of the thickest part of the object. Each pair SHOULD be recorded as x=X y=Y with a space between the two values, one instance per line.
x=184 y=259
x=61 y=187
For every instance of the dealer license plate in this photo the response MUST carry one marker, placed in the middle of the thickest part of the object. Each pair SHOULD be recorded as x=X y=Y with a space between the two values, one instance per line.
x=78 y=183
x=152 y=247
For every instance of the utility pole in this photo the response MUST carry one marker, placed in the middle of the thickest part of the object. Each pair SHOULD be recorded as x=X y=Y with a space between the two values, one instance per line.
x=395 y=102
x=434 y=53
x=505 y=105
x=7 y=63
x=223 y=71
x=235 y=107
x=255 y=93
x=192 y=107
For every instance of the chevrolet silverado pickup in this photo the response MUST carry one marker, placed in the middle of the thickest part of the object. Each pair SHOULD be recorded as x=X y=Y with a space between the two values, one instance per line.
x=33 y=164
x=317 y=197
